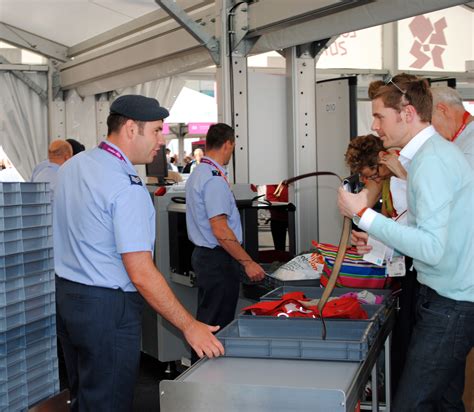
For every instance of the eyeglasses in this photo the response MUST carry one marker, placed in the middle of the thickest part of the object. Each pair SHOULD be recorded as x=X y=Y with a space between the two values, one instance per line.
x=373 y=176
x=389 y=80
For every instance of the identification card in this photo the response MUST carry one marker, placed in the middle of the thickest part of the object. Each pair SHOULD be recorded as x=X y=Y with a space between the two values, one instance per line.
x=377 y=254
x=396 y=267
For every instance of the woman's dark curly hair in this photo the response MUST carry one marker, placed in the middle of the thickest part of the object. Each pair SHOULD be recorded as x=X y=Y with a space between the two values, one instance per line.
x=363 y=152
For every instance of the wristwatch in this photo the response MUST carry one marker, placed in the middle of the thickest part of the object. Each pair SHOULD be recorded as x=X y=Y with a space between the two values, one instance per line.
x=357 y=216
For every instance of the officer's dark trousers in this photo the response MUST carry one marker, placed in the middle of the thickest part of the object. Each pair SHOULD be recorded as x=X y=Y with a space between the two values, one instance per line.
x=99 y=330
x=218 y=280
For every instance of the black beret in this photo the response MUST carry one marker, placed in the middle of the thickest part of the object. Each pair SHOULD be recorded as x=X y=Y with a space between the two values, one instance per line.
x=76 y=146
x=141 y=108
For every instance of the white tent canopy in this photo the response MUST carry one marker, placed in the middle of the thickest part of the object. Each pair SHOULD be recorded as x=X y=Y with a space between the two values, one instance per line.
x=192 y=106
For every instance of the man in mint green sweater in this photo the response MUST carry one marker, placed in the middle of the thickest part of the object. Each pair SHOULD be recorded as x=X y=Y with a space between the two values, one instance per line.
x=439 y=237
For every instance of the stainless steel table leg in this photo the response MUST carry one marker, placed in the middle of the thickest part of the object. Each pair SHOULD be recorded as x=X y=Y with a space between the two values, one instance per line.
x=388 y=381
x=375 y=398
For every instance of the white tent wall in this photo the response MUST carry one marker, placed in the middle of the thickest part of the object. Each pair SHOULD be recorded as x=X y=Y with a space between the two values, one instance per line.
x=23 y=121
x=81 y=120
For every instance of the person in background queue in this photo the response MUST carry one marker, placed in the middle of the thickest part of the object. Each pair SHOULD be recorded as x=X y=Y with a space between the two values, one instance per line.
x=59 y=151
x=452 y=121
x=104 y=236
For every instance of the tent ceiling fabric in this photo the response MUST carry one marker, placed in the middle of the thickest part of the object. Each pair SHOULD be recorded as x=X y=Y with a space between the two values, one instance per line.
x=70 y=22
x=142 y=50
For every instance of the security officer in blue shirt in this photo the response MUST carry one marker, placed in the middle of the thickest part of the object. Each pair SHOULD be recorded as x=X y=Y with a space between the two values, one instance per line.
x=213 y=224
x=104 y=234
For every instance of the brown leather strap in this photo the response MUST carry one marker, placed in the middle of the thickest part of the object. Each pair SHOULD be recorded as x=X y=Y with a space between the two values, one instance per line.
x=341 y=252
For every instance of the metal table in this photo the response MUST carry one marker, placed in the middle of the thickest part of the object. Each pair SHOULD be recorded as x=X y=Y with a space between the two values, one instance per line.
x=236 y=384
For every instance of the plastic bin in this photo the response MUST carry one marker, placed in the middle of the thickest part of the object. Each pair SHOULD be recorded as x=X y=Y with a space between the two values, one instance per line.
x=10 y=199
x=11 y=247
x=37 y=278
x=12 y=296
x=37 y=255
x=12 y=340
x=39 y=289
x=36 y=220
x=11 y=272
x=293 y=338
x=28 y=210
x=271 y=282
x=33 y=187
x=37 y=243
x=39 y=312
x=10 y=235
x=316 y=292
x=34 y=198
x=39 y=266
x=10 y=211
x=40 y=329
x=12 y=316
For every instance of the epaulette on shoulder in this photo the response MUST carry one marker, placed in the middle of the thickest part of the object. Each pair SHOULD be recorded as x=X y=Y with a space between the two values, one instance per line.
x=135 y=180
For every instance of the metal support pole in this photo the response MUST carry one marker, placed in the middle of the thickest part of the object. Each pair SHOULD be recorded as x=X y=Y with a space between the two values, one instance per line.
x=375 y=397
x=388 y=381
x=302 y=143
x=240 y=118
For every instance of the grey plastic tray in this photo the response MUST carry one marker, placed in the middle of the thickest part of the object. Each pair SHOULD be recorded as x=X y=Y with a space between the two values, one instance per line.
x=293 y=338
x=271 y=282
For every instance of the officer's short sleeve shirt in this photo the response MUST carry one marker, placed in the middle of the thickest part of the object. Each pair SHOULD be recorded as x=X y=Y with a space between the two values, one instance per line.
x=101 y=210
x=208 y=194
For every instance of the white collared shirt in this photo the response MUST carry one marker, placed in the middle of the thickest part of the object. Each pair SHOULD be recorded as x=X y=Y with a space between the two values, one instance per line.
x=406 y=156
x=410 y=149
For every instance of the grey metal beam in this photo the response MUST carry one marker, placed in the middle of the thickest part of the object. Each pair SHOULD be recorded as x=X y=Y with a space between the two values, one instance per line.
x=160 y=52
x=271 y=15
x=136 y=25
x=24 y=67
x=295 y=32
x=194 y=29
x=25 y=79
x=28 y=41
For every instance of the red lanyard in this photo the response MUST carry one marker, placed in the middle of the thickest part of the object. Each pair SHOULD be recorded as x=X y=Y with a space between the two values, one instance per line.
x=111 y=150
x=463 y=126
x=211 y=163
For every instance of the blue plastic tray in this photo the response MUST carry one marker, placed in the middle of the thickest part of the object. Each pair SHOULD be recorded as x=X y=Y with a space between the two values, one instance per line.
x=293 y=338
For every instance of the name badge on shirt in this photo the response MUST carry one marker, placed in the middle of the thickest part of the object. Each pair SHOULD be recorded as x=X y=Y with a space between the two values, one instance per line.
x=135 y=180
x=396 y=267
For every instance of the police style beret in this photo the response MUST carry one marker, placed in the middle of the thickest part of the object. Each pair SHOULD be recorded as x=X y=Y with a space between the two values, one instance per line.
x=139 y=108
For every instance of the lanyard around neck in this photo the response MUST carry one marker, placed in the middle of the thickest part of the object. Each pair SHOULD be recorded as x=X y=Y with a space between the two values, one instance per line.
x=109 y=149
x=463 y=125
x=211 y=163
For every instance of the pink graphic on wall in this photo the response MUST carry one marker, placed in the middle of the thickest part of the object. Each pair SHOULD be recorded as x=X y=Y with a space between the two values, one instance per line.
x=428 y=43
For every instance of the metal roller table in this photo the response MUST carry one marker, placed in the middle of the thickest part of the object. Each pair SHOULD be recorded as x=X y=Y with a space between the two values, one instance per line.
x=236 y=384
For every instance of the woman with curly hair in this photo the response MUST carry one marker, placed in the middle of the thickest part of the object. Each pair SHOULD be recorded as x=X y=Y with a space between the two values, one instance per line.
x=366 y=155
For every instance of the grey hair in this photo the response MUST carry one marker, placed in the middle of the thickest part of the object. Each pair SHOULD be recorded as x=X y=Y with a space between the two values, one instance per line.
x=447 y=95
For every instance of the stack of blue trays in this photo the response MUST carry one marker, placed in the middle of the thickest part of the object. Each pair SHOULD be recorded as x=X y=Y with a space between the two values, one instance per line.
x=28 y=349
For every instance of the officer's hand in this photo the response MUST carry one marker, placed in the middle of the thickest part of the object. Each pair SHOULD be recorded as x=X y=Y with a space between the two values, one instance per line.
x=200 y=337
x=359 y=240
x=254 y=271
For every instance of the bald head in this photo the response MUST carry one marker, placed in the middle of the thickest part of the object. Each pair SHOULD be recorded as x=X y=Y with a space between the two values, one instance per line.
x=59 y=151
